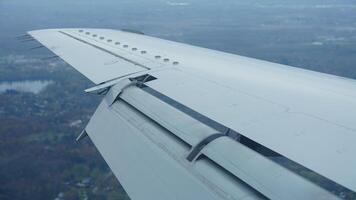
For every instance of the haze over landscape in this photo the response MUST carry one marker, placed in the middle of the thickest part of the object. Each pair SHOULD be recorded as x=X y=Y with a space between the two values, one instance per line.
x=42 y=104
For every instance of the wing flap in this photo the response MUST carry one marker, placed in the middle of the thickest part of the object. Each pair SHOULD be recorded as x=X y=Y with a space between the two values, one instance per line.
x=225 y=164
x=148 y=161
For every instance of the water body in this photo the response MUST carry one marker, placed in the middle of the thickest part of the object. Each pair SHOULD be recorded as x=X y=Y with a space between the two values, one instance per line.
x=35 y=86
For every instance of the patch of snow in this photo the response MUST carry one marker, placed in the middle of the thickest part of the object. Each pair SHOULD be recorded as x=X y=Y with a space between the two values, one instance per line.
x=178 y=3
x=317 y=43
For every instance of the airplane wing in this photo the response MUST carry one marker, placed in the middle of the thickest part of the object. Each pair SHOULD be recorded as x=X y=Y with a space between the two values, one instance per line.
x=184 y=122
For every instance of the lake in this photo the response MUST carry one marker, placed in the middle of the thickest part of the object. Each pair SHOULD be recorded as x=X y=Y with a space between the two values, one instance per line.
x=35 y=86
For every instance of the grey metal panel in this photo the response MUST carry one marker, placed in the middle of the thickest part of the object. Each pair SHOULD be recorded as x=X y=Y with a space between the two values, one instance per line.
x=233 y=187
x=266 y=176
x=182 y=125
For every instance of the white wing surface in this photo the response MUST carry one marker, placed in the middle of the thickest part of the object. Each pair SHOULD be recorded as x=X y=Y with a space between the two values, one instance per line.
x=184 y=122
